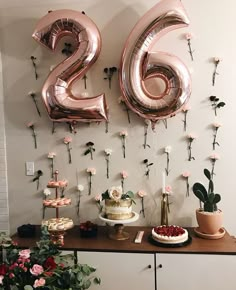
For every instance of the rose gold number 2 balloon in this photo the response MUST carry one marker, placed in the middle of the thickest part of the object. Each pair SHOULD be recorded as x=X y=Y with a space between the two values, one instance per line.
x=139 y=65
x=60 y=103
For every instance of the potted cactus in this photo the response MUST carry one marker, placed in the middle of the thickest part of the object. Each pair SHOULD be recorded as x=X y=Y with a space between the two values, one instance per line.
x=209 y=217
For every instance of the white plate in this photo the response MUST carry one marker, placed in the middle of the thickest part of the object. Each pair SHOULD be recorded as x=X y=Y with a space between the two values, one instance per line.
x=127 y=221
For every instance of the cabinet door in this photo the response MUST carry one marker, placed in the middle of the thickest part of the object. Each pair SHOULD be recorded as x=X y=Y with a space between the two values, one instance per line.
x=195 y=271
x=128 y=271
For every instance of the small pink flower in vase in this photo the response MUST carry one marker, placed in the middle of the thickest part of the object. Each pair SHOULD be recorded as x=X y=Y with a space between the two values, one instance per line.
x=216 y=61
x=188 y=37
x=213 y=157
x=91 y=171
x=186 y=175
x=191 y=137
x=32 y=127
x=142 y=194
x=216 y=127
x=123 y=135
x=123 y=175
x=98 y=200
x=67 y=140
x=185 y=110
x=51 y=156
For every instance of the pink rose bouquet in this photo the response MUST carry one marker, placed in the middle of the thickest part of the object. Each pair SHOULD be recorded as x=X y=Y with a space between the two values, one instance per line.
x=42 y=267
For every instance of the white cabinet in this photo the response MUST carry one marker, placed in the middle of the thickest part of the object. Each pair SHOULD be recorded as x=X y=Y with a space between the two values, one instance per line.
x=195 y=271
x=127 y=271
x=173 y=271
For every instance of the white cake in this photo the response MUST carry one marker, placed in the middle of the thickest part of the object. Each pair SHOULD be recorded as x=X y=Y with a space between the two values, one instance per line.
x=58 y=224
x=169 y=234
x=118 y=210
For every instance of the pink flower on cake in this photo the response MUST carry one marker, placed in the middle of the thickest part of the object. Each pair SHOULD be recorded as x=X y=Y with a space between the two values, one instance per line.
x=123 y=135
x=1 y=278
x=39 y=282
x=36 y=270
x=91 y=171
x=115 y=193
x=67 y=140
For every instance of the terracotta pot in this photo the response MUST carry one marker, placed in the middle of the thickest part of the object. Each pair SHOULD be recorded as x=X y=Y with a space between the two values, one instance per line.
x=209 y=222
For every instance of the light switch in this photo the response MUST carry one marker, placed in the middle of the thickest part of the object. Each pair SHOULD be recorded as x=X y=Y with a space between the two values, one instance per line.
x=29 y=168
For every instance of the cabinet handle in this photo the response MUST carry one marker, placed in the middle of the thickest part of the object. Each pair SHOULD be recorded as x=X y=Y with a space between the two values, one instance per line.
x=149 y=266
x=159 y=266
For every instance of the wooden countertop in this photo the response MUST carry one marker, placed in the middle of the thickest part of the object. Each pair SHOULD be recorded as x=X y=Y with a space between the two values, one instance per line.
x=102 y=243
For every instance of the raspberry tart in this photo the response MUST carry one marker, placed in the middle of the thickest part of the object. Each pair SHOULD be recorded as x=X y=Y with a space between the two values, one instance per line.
x=169 y=234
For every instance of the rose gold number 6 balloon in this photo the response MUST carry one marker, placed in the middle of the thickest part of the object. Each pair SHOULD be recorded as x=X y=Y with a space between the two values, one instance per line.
x=139 y=65
x=60 y=103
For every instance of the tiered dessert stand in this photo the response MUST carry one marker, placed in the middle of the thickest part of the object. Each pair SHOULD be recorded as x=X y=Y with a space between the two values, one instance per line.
x=58 y=232
x=119 y=233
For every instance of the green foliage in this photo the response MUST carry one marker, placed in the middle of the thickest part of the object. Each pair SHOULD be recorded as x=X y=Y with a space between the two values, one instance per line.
x=207 y=197
x=59 y=271
x=128 y=194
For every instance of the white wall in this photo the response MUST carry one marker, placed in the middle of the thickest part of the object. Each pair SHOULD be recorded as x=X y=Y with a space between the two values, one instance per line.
x=211 y=24
x=4 y=211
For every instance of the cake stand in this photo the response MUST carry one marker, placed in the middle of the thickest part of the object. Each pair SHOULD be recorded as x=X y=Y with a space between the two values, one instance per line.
x=119 y=234
x=57 y=235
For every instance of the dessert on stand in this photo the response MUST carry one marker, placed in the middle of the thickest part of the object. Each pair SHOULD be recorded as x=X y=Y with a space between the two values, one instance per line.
x=57 y=226
x=118 y=210
x=119 y=233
